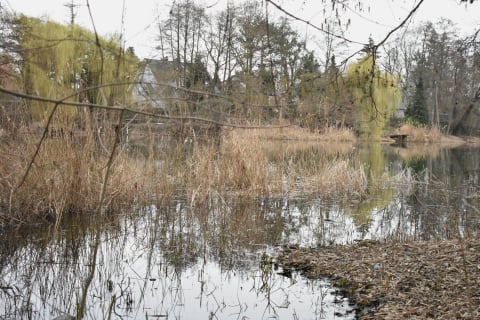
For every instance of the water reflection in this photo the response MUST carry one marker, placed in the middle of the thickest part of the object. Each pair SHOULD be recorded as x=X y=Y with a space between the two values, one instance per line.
x=213 y=262
x=445 y=202
x=428 y=196
x=164 y=262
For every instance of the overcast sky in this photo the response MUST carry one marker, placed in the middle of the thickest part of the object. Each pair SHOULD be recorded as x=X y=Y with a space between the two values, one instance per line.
x=141 y=16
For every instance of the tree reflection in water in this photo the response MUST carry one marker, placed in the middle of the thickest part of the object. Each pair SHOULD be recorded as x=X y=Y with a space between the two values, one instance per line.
x=166 y=262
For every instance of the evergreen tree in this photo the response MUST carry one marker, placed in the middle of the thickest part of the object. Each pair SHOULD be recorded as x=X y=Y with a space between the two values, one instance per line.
x=416 y=111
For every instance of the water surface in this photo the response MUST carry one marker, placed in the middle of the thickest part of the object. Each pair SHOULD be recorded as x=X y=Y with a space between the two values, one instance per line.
x=217 y=262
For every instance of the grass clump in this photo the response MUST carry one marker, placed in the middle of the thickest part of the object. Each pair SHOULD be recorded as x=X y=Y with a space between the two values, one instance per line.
x=421 y=134
x=299 y=134
x=90 y=170
x=245 y=165
x=65 y=177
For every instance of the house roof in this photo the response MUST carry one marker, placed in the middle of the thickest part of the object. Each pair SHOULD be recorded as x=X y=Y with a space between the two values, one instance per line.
x=152 y=75
x=162 y=70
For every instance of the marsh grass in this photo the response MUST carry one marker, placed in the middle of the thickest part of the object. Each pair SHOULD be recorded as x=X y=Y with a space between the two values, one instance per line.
x=248 y=166
x=296 y=133
x=68 y=175
x=421 y=134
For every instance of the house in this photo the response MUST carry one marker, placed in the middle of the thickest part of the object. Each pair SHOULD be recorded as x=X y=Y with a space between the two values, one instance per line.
x=156 y=84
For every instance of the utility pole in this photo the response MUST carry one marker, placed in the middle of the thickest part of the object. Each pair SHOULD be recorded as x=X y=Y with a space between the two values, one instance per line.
x=71 y=7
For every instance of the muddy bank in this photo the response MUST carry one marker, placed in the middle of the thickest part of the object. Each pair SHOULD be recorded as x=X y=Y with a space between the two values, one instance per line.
x=412 y=280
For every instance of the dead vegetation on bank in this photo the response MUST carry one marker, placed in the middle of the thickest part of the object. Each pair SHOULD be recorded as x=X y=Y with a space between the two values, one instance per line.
x=295 y=133
x=432 y=136
x=263 y=163
x=90 y=170
x=65 y=174
x=96 y=171
x=409 y=280
x=420 y=134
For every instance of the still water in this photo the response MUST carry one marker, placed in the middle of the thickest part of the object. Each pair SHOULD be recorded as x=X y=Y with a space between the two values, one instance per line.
x=217 y=262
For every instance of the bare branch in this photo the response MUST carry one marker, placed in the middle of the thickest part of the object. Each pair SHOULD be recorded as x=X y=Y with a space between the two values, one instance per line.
x=312 y=25
x=401 y=24
x=63 y=102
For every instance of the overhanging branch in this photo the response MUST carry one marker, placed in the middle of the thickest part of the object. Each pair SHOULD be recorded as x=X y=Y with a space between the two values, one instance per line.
x=63 y=102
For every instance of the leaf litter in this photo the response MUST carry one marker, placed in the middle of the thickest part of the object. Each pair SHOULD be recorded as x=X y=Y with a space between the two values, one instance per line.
x=398 y=280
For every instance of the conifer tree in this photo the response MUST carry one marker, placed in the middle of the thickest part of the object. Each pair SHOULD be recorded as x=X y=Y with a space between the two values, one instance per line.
x=416 y=111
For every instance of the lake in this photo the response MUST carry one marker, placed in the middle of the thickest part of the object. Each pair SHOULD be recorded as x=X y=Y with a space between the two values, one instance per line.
x=217 y=261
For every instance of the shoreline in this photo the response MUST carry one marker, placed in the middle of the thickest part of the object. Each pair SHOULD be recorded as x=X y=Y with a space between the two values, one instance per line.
x=408 y=280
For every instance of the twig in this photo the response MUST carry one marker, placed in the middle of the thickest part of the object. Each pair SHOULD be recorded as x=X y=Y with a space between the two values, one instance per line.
x=312 y=25
x=400 y=25
x=63 y=102
x=109 y=164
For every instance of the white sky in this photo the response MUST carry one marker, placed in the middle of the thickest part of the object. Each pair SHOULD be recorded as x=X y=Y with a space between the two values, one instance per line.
x=141 y=16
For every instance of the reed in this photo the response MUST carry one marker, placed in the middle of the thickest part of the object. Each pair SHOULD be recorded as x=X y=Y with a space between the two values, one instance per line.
x=235 y=168
x=421 y=134
x=299 y=134
x=66 y=176
x=244 y=165
x=69 y=173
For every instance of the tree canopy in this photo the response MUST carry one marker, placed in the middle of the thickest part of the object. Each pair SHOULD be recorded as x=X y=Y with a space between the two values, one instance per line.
x=264 y=69
x=375 y=96
x=58 y=60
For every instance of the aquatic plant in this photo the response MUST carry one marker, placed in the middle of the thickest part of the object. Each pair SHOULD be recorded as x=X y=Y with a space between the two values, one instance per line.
x=421 y=133
x=73 y=171
x=65 y=174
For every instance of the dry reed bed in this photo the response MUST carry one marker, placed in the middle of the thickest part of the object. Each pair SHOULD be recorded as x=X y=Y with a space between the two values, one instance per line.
x=70 y=174
x=67 y=176
x=411 y=280
x=421 y=134
x=251 y=163
x=298 y=134
x=432 y=139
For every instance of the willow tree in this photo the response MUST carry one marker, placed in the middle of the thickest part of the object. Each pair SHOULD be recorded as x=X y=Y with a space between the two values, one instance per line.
x=57 y=61
x=375 y=96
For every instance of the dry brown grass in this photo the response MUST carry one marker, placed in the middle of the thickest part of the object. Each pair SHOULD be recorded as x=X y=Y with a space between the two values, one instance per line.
x=341 y=179
x=67 y=176
x=298 y=133
x=421 y=134
x=337 y=135
x=432 y=135
x=245 y=165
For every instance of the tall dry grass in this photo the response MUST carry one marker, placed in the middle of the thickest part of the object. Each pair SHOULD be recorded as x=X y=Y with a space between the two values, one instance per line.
x=421 y=134
x=69 y=173
x=296 y=133
x=244 y=165
x=66 y=177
